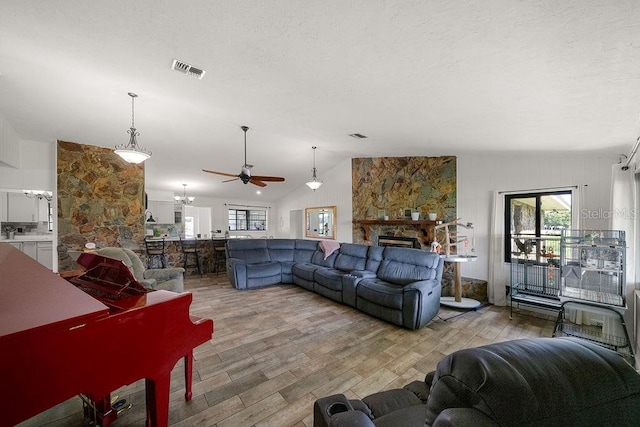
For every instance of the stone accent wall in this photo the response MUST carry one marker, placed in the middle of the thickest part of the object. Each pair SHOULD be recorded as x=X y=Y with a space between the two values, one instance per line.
x=392 y=185
x=100 y=200
x=471 y=288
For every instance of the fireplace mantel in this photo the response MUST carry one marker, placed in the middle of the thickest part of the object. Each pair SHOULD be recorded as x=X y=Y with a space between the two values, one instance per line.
x=425 y=226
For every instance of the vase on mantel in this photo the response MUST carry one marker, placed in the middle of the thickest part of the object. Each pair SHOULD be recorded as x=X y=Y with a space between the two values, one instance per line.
x=415 y=216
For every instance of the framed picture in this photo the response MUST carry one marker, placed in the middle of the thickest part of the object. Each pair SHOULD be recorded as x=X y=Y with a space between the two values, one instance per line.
x=381 y=213
x=407 y=213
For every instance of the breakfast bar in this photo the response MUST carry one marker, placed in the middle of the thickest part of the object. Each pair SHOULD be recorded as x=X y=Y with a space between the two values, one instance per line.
x=207 y=254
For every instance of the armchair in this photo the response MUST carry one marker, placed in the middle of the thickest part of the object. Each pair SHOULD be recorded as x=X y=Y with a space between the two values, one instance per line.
x=526 y=382
x=170 y=279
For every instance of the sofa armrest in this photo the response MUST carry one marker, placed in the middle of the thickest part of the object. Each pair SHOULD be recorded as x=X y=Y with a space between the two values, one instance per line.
x=351 y=419
x=149 y=283
x=237 y=272
x=164 y=274
x=422 y=285
x=463 y=417
x=338 y=411
x=420 y=303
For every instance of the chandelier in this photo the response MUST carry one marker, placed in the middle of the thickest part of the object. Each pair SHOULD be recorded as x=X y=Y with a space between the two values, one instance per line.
x=315 y=183
x=39 y=194
x=184 y=199
x=132 y=152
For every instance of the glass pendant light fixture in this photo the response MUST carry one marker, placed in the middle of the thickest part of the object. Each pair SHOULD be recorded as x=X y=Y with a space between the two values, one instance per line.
x=185 y=200
x=132 y=152
x=315 y=183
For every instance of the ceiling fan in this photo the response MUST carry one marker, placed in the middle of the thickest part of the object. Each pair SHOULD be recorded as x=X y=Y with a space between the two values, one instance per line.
x=245 y=172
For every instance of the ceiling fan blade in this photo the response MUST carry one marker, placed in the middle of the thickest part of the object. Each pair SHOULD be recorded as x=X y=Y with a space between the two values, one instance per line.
x=220 y=173
x=229 y=180
x=256 y=181
x=269 y=178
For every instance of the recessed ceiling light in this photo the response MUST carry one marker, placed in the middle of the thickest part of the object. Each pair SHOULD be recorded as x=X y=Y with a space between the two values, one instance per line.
x=258 y=192
x=357 y=135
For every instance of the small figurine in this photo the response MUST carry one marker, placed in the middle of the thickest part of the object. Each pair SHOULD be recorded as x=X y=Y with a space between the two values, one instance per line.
x=435 y=246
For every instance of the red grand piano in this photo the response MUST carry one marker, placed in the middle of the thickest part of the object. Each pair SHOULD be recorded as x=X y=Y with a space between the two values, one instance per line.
x=59 y=339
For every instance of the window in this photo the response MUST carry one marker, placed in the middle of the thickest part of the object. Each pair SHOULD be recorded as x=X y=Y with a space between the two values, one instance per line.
x=247 y=220
x=534 y=224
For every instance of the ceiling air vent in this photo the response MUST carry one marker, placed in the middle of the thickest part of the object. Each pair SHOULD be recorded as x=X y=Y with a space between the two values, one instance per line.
x=187 y=69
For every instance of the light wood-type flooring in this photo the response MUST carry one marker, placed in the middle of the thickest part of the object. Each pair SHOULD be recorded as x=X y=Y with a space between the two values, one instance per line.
x=276 y=350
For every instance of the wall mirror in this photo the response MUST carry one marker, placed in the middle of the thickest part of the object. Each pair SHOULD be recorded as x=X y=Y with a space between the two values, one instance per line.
x=320 y=222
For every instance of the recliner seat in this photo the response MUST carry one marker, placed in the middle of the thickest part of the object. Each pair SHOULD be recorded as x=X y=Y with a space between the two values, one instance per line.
x=519 y=383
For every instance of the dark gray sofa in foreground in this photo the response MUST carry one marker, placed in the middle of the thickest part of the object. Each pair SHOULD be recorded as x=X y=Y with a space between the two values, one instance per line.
x=528 y=382
x=399 y=285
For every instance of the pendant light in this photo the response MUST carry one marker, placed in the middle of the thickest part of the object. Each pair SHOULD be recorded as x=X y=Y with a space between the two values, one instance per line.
x=185 y=200
x=315 y=183
x=150 y=218
x=132 y=152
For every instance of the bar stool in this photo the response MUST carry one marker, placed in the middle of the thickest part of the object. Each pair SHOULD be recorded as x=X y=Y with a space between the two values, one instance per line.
x=219 y=255
x=157 y=257
x=190 y=247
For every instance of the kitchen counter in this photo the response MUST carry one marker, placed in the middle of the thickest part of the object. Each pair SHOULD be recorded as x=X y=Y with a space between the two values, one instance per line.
x=201 y=239
x=176 y=239
x=28 y=238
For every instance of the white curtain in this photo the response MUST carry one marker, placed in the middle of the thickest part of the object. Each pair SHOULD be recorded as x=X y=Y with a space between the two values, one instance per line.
x=624 y=206
x=498 y=270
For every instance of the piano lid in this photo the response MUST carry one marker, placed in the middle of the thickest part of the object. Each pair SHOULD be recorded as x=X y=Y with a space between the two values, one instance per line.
x=109 y=272
x=33 y=298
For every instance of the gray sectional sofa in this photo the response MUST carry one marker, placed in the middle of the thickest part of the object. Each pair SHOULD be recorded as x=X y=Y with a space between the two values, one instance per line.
x=399 y=285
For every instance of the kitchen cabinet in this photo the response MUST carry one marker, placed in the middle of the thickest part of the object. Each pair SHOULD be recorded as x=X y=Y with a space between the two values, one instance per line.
x=20 y=208
x=43 y=211
x=17 y=245
x=44 y=254
x=41 y=251
x=162 y=211
x=31 y=249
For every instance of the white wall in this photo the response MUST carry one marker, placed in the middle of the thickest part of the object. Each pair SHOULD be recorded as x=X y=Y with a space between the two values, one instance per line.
x=219 y=216
x=9 y=145
x=36 y=169
x=335 y=191
x=479 y=175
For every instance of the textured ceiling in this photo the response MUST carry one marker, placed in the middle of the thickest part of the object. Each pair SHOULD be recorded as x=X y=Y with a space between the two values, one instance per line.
x=418 y=77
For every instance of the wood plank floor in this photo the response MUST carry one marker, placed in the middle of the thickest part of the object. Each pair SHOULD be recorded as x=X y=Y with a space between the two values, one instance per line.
x=276 y=350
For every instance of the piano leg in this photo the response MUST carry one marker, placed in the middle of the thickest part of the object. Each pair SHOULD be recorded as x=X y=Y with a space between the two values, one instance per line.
x=188 y=375
x=157 y=394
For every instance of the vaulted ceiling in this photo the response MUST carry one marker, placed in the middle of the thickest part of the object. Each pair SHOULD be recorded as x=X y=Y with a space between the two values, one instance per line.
x=417 y=77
